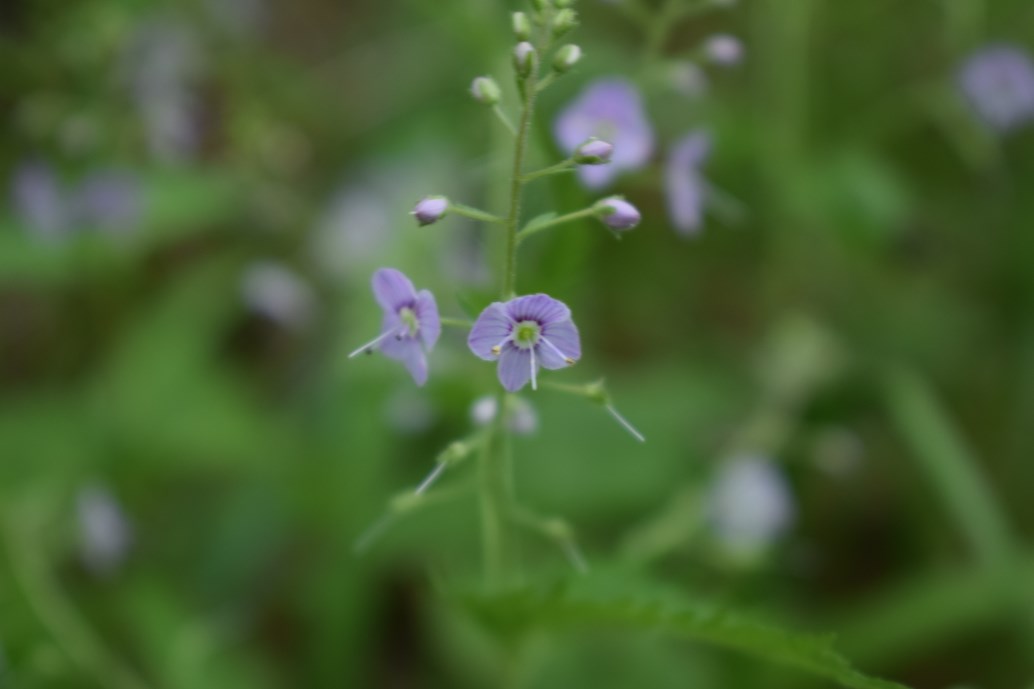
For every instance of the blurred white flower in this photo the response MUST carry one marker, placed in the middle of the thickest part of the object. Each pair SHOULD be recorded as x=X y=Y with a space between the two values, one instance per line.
x=521 y=417
x=279 y=294
x=104 y=533
x=750 y=505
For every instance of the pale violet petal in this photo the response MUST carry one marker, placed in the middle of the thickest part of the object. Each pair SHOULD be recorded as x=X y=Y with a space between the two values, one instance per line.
x=392 y=289
x=514 y=368
x=491 y=329
x=426 y=309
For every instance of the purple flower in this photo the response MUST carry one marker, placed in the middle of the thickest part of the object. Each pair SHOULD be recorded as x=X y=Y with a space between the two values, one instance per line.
x=104 y=532
x=38 y=200
x=430 y=209
x=998 y=81
x=612 y=110
x=524 y=334
x=410 y=327
x=686 y=189
x=279 y=294
x=109 y=199
x=594 y=152
x=617 y=213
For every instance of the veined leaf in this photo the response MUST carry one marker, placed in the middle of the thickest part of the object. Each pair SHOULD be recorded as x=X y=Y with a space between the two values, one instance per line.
x=623 y=602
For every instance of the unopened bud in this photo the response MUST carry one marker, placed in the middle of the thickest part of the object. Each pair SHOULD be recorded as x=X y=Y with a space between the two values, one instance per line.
x=567 y=57
x=564 y=21
x=521 y=26
x=430 y=209
x=485 y=91
x=593 y=152
x=524 y=59
x=617 y=213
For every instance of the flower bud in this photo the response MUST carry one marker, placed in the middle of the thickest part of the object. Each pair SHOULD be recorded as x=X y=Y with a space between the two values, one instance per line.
x=430 y=209
x=723 y=49
x=564 y=21
x=524 y=59
x=617 y=213
x=593 y=152
x=485 y=91
x=567 y=57
x=521 y=26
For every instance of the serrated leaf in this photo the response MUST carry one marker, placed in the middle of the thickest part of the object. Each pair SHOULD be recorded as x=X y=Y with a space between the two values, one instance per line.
x=620 y=601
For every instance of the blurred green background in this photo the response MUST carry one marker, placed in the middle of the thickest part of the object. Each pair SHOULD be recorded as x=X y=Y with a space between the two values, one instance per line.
x=197 y=195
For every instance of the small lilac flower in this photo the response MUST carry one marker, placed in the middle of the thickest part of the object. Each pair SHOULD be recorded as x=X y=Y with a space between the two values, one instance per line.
x=279 y=294
x=410 y=327
x=104 y=533
x=617 y=213
x=430 y=209
x=612 y=110
x=723 y=49
x=750 y=505
x=594 y=152
x=520 y=417
x=998 y=81
x=524 y=334
x=38 y=200
x=685 y=188
x=109 y=199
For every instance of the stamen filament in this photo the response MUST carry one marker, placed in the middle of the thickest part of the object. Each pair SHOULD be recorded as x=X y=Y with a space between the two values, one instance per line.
x=534 y=385
x=376 y=341
x=431 y=478
x=624 y=422
x=568 y=360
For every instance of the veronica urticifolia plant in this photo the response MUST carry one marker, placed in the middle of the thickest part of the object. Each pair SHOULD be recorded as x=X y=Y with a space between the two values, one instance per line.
x=521 y=334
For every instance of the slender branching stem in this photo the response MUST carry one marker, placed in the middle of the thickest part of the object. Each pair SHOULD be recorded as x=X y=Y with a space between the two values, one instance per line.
x=475 y=213
x=559 y=220
x=563 y=166
x=457 y=323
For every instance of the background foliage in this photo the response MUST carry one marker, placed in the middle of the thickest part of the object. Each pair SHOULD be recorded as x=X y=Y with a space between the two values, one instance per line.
x=867 y=322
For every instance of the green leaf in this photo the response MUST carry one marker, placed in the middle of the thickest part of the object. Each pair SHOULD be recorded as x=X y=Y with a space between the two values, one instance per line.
x=615 y=600
x=538 y=220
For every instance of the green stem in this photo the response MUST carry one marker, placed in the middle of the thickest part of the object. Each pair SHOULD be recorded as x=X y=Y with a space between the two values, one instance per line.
x=457 y=323
x=517 y=186
x=560 y=220
x=562 y=166
x=474 y=213
x=494 y=490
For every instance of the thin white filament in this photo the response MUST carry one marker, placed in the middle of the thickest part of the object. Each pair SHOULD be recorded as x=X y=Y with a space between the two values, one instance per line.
x=625 y=423
x=431 y=478
x=375 y=341
x=557 y=350
x=534 y=386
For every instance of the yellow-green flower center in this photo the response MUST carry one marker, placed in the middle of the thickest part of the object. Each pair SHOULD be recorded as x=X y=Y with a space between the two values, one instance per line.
x=526 y=334
x=408 y=318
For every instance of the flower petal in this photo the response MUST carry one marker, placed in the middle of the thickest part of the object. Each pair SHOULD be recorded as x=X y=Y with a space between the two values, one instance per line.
x=410 y=353
x=561 y=343
x=514 y=367
x=491 y=328
x=392 y=289
x=685 y=188
x=541 y=308
x=426 y=309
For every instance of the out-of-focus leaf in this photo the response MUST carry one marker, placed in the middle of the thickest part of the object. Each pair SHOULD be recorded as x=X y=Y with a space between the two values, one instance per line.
x=615 y=600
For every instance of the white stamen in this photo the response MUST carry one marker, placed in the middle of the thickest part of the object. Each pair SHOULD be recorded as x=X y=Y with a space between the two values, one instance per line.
x=567 y=360
x=431 y=478
x=376 y=341
x=496 y=350
x=533 y=384
x=624 y=422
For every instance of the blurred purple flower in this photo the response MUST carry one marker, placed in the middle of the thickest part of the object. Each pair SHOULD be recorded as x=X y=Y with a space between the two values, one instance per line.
x=279 y=294
x=38 y=200
x=109 y=200
x=163 y=63
x=998 y=81
x=524 y=334
x=724 y=50
x=612 y=110
x=685 y=188
x=104 y=533
x=410 y=327
x=520 y=417
x=750 y=505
